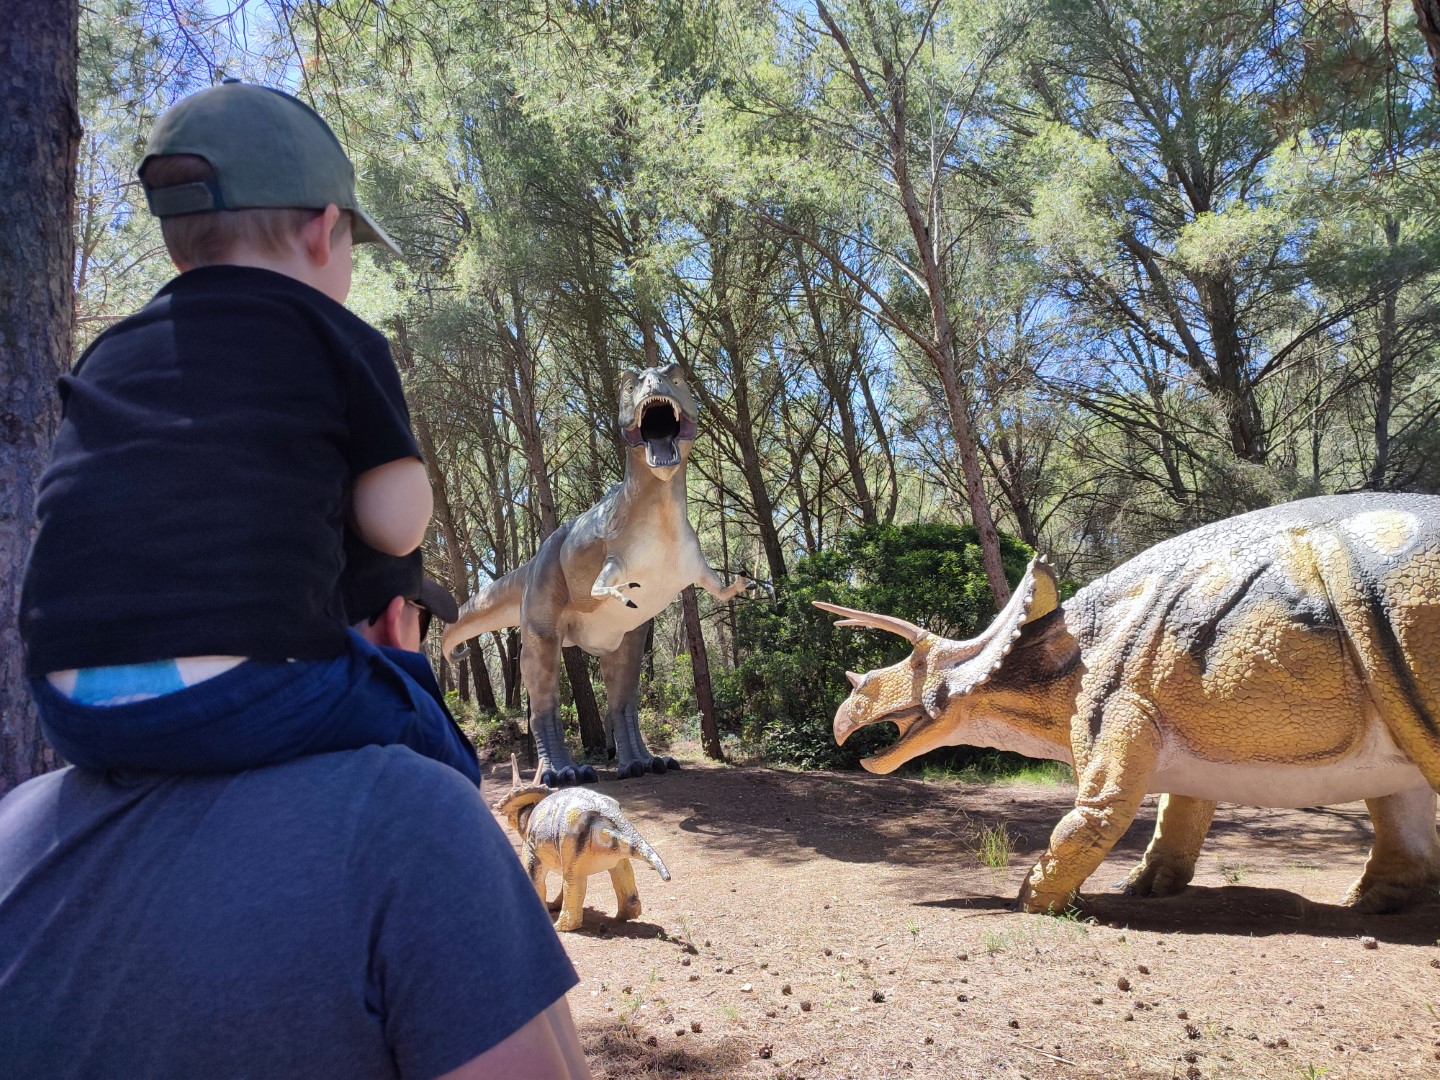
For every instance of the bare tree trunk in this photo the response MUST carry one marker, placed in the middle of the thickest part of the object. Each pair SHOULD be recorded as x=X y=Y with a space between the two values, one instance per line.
x=1427 y=21
x=37 y=175
x=924 y=220
x=522 y=389
x=700 y=665
x=462 y=679
x=582 y=692
x=1385 y=368
x=480 y=675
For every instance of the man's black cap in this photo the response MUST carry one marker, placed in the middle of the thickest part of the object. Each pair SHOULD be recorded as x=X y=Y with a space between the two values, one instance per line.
x=372 y=579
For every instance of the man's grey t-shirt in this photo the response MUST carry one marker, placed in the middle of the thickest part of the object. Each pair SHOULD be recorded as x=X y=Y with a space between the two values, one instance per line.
x=354 y=915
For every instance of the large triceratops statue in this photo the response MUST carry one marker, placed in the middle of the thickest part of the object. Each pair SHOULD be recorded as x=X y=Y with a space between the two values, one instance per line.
x=1285 y=657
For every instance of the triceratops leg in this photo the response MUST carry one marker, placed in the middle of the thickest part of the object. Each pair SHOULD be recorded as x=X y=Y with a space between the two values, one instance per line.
x=621 y=672
x=1169 y=863
x=572 y=909
x=627 y=896
x=1404 y=864
x=1113 y=779
x=538 y=874
x=540 y=670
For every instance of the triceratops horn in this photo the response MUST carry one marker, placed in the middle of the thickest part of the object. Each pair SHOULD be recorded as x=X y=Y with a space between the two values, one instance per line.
x=515 y=780
x=855 y=680
x=908 y=630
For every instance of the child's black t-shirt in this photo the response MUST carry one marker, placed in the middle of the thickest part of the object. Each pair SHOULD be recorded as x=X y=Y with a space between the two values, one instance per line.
x=199 y=484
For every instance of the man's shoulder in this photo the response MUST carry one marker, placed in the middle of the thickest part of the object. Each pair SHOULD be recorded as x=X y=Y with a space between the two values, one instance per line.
x=349 y=779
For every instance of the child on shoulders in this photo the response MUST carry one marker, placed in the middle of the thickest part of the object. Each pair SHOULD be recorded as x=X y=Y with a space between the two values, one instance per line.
x=182 y=607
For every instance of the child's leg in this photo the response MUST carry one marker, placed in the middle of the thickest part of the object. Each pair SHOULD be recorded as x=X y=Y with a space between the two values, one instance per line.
x=250 y=714
x=401 y=691
x=262 y=713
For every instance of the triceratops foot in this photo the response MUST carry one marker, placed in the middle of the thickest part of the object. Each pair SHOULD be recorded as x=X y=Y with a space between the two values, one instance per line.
x=1381 y=897
x=1157 y=877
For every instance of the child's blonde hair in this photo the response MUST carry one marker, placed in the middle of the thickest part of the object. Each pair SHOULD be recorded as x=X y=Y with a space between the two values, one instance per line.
x=212 y=236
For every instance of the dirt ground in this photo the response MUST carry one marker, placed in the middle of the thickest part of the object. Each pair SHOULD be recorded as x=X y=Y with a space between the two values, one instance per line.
x=842 y=925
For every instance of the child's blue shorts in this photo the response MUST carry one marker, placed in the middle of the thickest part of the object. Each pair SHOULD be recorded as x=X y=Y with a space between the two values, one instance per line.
x=262 y=713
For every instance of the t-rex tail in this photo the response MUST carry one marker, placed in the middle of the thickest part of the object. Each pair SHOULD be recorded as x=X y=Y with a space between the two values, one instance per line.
x=494 y=607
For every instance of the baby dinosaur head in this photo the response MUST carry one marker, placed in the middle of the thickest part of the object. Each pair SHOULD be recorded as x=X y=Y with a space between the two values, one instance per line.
x=522 y=799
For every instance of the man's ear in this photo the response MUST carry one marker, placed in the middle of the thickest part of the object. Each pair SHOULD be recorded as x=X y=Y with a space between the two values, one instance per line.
x=315 y=235
x=390 y=622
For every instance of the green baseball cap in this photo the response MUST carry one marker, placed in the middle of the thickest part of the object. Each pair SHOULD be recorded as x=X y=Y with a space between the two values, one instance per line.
x=268 y=150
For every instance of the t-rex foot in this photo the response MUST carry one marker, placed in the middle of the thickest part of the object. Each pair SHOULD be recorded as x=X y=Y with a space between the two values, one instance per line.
x=569 y=776
x=640 y=768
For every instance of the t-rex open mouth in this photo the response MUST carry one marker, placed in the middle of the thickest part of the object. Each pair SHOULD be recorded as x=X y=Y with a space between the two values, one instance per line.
x=661 y=425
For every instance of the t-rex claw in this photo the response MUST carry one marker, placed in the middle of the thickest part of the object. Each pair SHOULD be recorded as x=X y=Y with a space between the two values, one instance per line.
x=588 y=775
x=569 y=776
x=671 y=764
x=631 y=603
x=633 y=770
x=549 y=778
x=657 y=765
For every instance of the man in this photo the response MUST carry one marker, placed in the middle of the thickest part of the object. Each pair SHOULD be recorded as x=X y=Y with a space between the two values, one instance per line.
x=353 y=914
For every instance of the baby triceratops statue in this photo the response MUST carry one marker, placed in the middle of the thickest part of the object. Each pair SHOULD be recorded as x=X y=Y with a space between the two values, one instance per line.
x=575 y=832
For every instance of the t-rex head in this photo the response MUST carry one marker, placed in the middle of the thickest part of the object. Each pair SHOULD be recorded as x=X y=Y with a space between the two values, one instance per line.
x=926 y=694
x=521 y=800
x=657 y=412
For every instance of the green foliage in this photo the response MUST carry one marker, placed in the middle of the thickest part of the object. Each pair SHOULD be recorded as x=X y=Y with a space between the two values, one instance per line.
x=792 y=675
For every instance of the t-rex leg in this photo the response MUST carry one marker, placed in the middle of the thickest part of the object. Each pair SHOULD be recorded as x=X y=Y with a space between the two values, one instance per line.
x=1112 y=785
x=572 y=908
x=540 y=670
x=1169 y=862
x=1404 y=864
x=621 y=672
x=627 y=896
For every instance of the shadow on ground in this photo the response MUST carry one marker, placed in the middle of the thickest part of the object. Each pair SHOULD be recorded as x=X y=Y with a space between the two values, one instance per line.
x=929 y=832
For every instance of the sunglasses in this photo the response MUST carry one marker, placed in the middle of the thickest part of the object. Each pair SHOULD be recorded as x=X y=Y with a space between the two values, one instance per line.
x=425 y=618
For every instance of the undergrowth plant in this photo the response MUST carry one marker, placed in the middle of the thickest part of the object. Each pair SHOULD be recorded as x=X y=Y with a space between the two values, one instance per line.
x=996 y=846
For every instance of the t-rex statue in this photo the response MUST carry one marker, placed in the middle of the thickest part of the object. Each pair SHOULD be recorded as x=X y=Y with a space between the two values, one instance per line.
x=599 y=579
x=1285 y=657
x=576 y=833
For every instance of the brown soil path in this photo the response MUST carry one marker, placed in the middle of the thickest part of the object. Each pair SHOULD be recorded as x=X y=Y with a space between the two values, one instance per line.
x=841 y=925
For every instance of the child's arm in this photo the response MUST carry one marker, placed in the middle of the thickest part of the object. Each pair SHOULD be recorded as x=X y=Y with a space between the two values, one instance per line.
x=392 y=505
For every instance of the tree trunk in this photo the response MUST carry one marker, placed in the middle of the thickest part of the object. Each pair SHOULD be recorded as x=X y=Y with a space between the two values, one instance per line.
x=592 y=727
x=1427 y=21
x=509 y=644
x=1385 y=367
x=480 y=676
x=462 y=679
x=700 y=665
x=527 y=423
x=926 y=232
x=38 y=98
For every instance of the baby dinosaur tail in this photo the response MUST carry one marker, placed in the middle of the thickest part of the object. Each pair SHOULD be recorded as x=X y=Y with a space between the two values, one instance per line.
x=630 y=841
